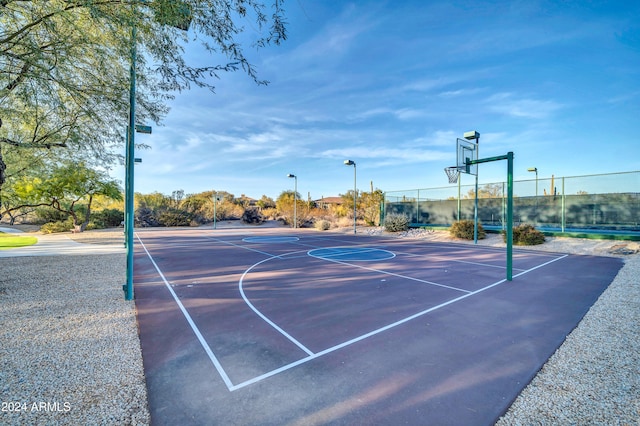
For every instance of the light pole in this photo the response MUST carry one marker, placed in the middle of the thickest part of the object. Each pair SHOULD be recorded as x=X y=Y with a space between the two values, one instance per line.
x=215 y=203
x=355 y=191
x=129 y=161
x=181 y=21
x=535 y=169
x=473 y=135
x=295 y=200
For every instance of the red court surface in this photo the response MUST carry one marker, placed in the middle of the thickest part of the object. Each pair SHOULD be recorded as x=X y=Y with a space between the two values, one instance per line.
x=299 y=327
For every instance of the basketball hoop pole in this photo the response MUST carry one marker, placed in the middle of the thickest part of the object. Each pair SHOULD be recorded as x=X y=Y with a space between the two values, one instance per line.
x=459 y=205
x=474 y=135
x=509 y=158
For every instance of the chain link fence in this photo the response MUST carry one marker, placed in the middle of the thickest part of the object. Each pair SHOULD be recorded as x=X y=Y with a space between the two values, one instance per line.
x=608 y=202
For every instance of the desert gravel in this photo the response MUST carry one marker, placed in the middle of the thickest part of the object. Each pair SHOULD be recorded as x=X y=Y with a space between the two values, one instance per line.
x=70 y=353
x=69 y=347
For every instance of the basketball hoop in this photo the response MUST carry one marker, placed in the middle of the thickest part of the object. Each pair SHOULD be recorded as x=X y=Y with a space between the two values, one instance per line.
x=452 y=173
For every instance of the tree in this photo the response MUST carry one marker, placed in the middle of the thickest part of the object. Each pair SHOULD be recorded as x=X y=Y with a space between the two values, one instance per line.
x=347 y=203
x=64 y=65
x=285 y=203
x=24 y=162
x=266 y=202
x=370 y=203
x=68 y=188
x=487 y=191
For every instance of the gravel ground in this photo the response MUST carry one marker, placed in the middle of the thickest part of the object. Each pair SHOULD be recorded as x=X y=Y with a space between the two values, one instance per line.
x=70 y=354
x=69 y=347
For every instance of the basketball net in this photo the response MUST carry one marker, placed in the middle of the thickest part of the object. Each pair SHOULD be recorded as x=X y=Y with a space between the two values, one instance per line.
x=452 y=173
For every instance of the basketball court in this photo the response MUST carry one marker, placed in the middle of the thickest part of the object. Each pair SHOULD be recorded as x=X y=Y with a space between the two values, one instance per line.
x=286 y=327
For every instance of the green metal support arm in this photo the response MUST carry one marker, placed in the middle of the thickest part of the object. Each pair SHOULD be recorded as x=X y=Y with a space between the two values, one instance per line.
x=509 y=158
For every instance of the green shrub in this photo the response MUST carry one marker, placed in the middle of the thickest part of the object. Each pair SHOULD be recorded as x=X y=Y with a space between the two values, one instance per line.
x=107 y=218
x=145 y=217
x=464 y=229
x=525 y=235
x=252 y=215
x=48 y=214
x=270 y=213
x=396 y=222
x=174 y=218
x=59 y=226
x=322 y=225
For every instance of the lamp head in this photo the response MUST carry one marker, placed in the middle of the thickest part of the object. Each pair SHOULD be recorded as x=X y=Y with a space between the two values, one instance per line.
x=532 y=169
x=471 y=135
x=349 y=163
x=291 y=176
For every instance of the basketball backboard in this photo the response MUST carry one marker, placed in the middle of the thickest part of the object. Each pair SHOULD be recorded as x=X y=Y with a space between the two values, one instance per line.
x=467 y=150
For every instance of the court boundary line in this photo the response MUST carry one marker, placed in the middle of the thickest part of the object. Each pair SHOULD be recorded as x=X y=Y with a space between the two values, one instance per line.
x=261 y=315
x=311 y=355
x=393 y=274
x=192 y=324
x=380 y=330
x=339 y=251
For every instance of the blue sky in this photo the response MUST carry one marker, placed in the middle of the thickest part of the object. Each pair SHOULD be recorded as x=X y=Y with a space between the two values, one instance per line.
x=392 y=84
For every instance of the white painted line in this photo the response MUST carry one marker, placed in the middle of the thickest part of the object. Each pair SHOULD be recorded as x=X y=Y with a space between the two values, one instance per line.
x=193 y=326
x=380 y=330
x=310 y=354
x=242 y=247
x=391 y=274
x=270 y=239
x=330 y=253
x=540 y=266
x=261 y=315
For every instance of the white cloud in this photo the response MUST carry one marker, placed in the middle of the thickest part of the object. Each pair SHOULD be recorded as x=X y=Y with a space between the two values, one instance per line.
x=510 y=104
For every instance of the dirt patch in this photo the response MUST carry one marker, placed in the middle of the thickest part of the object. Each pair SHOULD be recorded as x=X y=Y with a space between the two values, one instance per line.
x=111 y=236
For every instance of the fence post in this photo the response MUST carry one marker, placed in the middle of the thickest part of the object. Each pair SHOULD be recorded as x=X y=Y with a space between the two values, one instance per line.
x=562 y=206
x=418 y=207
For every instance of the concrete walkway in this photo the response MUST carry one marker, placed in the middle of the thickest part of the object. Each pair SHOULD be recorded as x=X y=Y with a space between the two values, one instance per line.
x=57 y=245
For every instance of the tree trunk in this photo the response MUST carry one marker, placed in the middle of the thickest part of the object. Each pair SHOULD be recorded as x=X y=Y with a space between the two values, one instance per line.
x=87 y=216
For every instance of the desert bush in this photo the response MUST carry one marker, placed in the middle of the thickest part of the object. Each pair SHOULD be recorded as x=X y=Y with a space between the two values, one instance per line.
x=343 y=222
x=107 y=218
x=464 y=229
x=396 y=222
x=252 y=215
x=174 y=218
x=58 y=226
x=525 y=235
x=145 y=217
x=47 y=214
x=322 y=225
x=270 y=213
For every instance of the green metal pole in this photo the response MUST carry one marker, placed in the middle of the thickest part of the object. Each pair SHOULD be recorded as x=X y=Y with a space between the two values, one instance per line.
x=504 y=208
x=509 y=158
x=475 y=211
x=129 y=162
x=563 y=207
x=418 y=207
x=509 y=216
x=475 y=215
x=459 y=180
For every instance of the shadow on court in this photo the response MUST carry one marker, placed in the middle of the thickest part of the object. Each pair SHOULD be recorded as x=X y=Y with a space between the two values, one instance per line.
x=272 y=327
